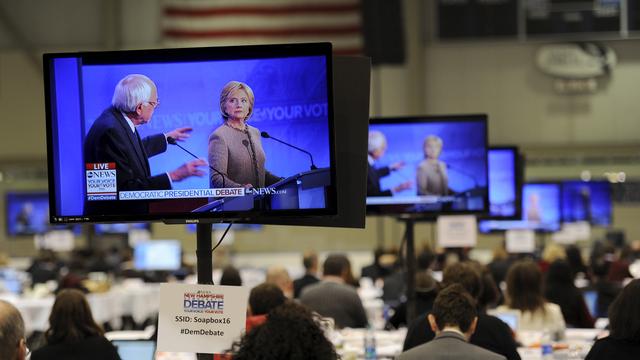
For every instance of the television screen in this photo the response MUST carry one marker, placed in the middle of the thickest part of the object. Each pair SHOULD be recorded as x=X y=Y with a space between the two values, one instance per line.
x=540 y=210
x=119 y=228
x=587 y=201
x=27 y=213
x=235 y=227
x=505 y=188
x=183 y=134
x=157 y=255
x=428 y=165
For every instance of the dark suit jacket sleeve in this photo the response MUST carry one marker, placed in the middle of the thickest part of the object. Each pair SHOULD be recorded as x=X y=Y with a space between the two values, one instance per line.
x=116 y=147
x=419 y=332
x=270 y=179
x=383 y=171
x=155 y=144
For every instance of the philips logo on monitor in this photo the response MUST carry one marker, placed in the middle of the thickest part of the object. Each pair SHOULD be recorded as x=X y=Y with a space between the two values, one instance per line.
x=206 y=302
x=101 y=181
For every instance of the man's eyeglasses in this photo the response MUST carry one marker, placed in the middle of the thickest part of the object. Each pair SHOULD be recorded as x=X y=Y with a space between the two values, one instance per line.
x=155 y=104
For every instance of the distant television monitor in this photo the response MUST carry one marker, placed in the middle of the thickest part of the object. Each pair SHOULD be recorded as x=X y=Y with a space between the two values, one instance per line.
x=428 y=165
x=27 y=213
x=541 y=210
x=157 y=255
x=280 y=165
x=505 y=183
x=119 y=228
x=587 y=201
x=136 y=349
x=591 y=299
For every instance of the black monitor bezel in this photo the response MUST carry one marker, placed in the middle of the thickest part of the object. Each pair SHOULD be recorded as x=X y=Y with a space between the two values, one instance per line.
x=518 y=168
x=188 y=55
x=388 y=210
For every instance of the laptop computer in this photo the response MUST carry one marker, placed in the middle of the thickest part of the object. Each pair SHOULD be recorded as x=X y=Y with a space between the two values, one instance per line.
x=135 y=349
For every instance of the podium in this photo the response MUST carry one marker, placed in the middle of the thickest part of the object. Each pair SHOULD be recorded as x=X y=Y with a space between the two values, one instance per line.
x=305 y=190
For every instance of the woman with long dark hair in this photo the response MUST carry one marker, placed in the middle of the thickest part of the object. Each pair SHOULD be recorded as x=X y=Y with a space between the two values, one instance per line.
x=623 y=341
x=560 y=289
x=524 y=293
x=73 y=333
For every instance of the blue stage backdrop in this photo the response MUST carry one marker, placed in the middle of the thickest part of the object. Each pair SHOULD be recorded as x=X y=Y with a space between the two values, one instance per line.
x=290 y=104
x=502 y=182
x=464 y=152
x=590 y=201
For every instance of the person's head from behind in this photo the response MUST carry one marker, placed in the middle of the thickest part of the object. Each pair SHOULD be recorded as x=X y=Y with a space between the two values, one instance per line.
x=524 y=286
x=624 y=314
x=290 y=332
x=236 y=101
x=377 y=144
x=560 y=274
x=432 y=147
x=464 y=274
x=230 y=276
x=137 y=96
x=336 y=265
x=310 y=262
x=454 y=309
x=71 y=319
x=264 y=298
x=13 y=345
x=279 y=276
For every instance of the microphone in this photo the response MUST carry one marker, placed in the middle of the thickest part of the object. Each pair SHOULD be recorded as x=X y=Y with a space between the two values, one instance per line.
x=173 y=141
x=266 y=135
x=247 y=145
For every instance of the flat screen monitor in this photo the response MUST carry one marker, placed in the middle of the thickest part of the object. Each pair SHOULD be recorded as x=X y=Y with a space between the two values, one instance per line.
x=235 y=227
x=27 y=213
x=428 y=165
x=157 y=255
x=505 y=186
x=587 y=201
x=136 y=349
x=198 y=134
x=541 y=210
x=119 y=228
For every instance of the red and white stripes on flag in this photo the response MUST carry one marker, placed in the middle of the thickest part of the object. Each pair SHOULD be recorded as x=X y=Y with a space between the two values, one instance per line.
x=241 y=22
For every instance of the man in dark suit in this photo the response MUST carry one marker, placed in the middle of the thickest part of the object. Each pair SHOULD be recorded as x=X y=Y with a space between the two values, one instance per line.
x=491 y=333
x=453 y=319
x=310 y=262
x=377 y=148
x=113 y=138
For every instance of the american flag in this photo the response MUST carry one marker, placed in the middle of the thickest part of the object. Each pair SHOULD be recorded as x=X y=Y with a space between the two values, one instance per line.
x=242 y=22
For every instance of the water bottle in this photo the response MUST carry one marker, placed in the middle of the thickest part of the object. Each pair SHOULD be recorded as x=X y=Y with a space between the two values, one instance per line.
x=546 y=346
x=370 y=344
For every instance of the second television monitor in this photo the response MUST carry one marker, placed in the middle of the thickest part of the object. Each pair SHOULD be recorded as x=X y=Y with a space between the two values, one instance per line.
x=428 y=165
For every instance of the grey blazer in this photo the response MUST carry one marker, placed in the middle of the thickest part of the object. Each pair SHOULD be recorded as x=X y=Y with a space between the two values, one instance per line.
x=449 y=345
x=239 y=156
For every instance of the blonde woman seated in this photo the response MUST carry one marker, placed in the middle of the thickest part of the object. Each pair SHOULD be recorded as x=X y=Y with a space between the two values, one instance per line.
x=524 y=294
x=431 y=174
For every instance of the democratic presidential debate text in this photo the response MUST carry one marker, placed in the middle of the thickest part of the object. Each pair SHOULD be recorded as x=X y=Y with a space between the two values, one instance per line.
x=180 y=194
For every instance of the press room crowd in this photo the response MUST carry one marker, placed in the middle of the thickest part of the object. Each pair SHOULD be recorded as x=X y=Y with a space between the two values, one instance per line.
x=290 y=319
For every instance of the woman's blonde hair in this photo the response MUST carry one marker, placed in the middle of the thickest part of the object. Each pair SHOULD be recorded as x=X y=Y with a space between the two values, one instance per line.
x=230 y=87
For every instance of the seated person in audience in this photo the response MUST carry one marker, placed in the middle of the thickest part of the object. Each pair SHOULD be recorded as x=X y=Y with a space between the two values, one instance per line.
x=333 y=297
x=560 y=289
x=524 y=294
x=13 y=345
x=262 y=299
x=578 y=267
x=279 y=276
x=426 y=292
x=453 y=320
x=73 y=333
x=606 y=290
x=375 y=270
x=491 y=333
x=551 y=253
x=291 y=332
x=310 y=263
x=623 y=341
x=230 y=276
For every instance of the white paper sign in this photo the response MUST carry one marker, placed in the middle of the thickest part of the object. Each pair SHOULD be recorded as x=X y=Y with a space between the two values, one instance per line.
x=201 y=318
x=580 y=230
x=56 y=240
x=457 y=231
x=520 y=241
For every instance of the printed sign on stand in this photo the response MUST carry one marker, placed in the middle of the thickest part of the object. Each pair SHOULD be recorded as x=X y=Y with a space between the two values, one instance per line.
x=457 y=231
x=201 y=318
x=520 y=241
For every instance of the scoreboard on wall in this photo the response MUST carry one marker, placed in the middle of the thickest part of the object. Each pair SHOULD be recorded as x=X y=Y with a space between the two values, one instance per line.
x=531 y=19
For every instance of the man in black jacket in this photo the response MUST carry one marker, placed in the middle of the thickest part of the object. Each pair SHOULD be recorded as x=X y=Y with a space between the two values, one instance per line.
x=491 y=333
x=377 y=148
